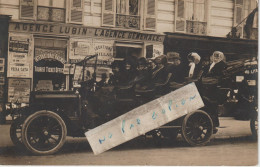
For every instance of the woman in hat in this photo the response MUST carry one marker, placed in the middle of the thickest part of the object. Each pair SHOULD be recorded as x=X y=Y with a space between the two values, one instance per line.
x=194 y=71
x=218 y=65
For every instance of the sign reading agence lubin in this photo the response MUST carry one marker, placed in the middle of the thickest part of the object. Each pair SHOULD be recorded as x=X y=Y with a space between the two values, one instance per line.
x=68 y=29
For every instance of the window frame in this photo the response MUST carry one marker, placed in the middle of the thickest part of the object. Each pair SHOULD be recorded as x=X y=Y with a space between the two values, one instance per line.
x=34 y=10
x=184 y=18
x=141 y=14
x=240 y=28
x=67 y=12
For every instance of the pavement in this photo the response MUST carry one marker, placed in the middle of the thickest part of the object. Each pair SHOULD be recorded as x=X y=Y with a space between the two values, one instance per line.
x=229 y=129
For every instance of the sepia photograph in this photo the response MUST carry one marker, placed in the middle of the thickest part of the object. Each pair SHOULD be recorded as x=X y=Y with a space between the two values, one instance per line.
x=129 y=82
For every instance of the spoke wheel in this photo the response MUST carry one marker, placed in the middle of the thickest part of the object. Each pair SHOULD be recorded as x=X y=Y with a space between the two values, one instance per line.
x=197 y=128
x=44 y=132
x=16 y=132
x=254 y=126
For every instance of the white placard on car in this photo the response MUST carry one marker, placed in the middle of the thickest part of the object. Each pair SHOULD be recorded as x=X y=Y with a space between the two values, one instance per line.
x=144 y=118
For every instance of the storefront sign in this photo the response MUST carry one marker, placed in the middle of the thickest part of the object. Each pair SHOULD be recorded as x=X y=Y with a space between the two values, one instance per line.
x=65 y=29
x=104 y=51
x=48 y=69
x=19 y=90
x=43 y=54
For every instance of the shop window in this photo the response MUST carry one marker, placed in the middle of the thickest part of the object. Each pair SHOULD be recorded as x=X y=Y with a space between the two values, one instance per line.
x=127 y=13
x=52 y=10
x=242 y=8
x=124 y=51
x=49 y=59
x=191 y=16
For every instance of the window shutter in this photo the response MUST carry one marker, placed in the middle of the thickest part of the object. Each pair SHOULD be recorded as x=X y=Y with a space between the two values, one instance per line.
x=180 y=22
x=238 y=11
x=27 y=9
x=77 y=11
x=150 y=15
x=108 y=13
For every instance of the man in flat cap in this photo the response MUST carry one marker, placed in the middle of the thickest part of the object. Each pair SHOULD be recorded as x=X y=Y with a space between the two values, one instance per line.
x=176 y=68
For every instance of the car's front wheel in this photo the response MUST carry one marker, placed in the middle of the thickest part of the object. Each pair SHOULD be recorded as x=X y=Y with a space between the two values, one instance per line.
x=44 y=132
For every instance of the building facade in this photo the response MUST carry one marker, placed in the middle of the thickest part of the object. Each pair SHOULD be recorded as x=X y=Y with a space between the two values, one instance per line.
x=46 y=37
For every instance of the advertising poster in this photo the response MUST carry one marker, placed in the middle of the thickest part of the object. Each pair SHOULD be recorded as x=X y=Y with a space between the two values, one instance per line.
x=20 y=61
x=80 y=49
x=19 y=44
x=19 y=90
x=157 y=50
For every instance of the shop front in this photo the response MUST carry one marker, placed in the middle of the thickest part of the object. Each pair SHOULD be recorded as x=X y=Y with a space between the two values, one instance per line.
x=43 y=55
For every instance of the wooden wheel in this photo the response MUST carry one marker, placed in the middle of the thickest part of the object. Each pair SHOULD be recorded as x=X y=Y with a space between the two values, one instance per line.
x=44 y=132
x=197 y=128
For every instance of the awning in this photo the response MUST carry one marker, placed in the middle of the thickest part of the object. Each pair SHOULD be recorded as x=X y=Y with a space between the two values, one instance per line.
x=206 y=45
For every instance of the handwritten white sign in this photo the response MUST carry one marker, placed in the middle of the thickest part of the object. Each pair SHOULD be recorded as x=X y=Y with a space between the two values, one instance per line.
x=145 y=118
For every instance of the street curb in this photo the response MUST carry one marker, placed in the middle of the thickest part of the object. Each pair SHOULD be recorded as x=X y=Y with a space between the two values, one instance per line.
x=214 y=137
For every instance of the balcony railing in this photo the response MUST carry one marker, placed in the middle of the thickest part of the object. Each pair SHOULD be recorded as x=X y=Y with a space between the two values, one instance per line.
x=128 y=21
x=196 y=27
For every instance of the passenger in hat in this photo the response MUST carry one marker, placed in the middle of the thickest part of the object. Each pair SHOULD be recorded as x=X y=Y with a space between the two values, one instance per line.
x=218 y=65
x=174 y=58
x=103 y=81
x=194 y=71
x=175 y=67
x=211 y=79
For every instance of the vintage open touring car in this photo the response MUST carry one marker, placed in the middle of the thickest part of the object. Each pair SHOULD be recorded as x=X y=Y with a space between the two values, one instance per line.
x=42 y=126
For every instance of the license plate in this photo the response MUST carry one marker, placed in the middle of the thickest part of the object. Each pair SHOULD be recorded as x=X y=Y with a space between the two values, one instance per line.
x=251 y=82
x=239 y=78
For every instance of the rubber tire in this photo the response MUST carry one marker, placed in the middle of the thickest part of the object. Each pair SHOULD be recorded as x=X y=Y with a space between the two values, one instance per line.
x=252 y=126
x=184 y=125
x=36 y=115
x=18 y=143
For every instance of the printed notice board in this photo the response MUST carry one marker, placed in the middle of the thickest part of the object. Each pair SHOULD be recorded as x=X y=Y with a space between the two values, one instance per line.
x=19 y=90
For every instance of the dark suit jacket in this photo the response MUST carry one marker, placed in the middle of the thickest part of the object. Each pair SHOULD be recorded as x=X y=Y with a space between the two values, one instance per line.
x=178 y=73
x=216 y=71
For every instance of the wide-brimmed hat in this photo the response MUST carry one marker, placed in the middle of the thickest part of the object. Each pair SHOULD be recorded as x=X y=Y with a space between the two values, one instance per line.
x=194 y=56
x=173 y=55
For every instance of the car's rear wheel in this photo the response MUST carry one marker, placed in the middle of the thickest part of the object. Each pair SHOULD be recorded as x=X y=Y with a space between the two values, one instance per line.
x=44 y=132
x=197 y=128
x=254 y=125
x=16 y=132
